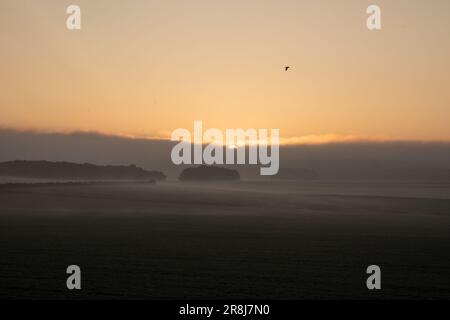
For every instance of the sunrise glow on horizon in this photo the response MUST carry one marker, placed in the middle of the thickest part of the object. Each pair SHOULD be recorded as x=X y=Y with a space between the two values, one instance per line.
x=223 y=63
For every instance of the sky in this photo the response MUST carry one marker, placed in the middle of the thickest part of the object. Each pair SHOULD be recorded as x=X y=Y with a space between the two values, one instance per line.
x=145 y=68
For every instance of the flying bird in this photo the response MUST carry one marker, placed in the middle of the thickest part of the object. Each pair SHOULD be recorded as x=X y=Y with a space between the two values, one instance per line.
x=286 y=68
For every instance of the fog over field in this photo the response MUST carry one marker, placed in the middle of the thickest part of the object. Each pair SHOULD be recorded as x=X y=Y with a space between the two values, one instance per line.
x=298 y=236
x=229 y=240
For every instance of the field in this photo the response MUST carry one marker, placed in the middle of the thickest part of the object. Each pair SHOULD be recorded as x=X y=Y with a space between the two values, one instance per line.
x=279 y=240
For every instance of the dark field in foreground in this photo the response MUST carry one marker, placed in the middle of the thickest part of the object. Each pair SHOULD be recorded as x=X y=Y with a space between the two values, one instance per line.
x=187 y=241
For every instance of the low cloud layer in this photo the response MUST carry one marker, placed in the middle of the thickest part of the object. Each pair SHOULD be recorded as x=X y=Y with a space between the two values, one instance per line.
x=352 y=159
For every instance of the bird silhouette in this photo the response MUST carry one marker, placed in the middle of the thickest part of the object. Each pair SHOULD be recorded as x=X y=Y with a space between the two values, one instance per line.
x=286 y=68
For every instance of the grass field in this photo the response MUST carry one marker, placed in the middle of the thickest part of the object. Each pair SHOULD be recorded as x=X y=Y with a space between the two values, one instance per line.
x=222 y=241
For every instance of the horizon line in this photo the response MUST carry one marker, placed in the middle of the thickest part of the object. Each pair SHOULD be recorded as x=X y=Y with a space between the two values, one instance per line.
x=305 y=140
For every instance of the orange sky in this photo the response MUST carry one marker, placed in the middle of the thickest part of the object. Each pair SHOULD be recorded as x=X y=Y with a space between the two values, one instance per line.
x=145 y=68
